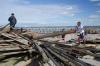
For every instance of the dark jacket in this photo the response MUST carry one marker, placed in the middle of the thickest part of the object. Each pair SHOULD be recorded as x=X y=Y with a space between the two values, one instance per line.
x=12 y=21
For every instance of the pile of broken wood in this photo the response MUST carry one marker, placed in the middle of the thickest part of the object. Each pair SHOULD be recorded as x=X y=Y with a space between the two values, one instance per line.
x=18 y=43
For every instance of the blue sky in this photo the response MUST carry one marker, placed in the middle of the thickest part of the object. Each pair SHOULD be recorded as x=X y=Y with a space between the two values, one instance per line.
x=51 y=12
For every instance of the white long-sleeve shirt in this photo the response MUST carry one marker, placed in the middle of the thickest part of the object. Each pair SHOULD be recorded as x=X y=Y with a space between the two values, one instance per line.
x=80 y=29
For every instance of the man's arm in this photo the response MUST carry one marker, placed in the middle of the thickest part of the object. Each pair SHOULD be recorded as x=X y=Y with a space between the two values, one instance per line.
x=15 y=20
x=76 y=28
x=9 y=19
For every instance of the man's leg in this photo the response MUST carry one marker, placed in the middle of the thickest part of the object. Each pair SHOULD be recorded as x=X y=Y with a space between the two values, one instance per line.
x=83 y=38
x=11 y=26
x=14 y=25
x=79 y=40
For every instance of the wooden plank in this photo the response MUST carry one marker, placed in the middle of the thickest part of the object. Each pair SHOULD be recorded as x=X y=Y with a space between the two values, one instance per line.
x=65 y=61
x=2 y=41
x=53 y=34
x=11 y=53
x=9 y=49
x=18 y=39
x=41 y=51
x=4 y=26
x=83 y=50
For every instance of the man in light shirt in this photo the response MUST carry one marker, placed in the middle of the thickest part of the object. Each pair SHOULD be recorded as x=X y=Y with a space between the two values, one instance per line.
x=80 y=31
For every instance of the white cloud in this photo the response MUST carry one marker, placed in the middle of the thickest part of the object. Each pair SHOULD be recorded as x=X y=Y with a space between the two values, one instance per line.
x=34 y=13
x=94 y=0
x=94 y=16
x=21 y=2
x=97 y=2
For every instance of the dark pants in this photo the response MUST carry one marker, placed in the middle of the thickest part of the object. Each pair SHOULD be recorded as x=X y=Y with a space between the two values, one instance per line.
x=81 y=37
x=12 y=25
x=63 y=36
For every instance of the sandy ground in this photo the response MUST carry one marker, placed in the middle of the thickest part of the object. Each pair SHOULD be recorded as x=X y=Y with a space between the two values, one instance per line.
x=88 y=36
x=74 y=36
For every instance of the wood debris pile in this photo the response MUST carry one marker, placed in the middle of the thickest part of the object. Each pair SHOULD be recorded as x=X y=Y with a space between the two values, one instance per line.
x=18 y=43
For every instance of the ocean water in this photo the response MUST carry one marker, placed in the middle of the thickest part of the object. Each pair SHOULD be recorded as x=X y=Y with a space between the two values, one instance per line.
x=50 y=29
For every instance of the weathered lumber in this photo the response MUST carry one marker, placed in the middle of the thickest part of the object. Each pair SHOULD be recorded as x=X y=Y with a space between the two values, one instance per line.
x=11 y=49
x=53 y=34
x=4 y=44
x=22 y=46
x=4 y=26
x=50 y=56
x=11 y=53
x=4 y=56
x=49 y=35
x=88 y=52
x=83 y=50
x=3 y=41
x=71 y=58
x=21 y=41
x=44 y=56
x=65 y=61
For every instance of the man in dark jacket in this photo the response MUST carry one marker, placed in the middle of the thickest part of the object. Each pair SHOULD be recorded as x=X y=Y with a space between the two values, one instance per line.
x=12 y=21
